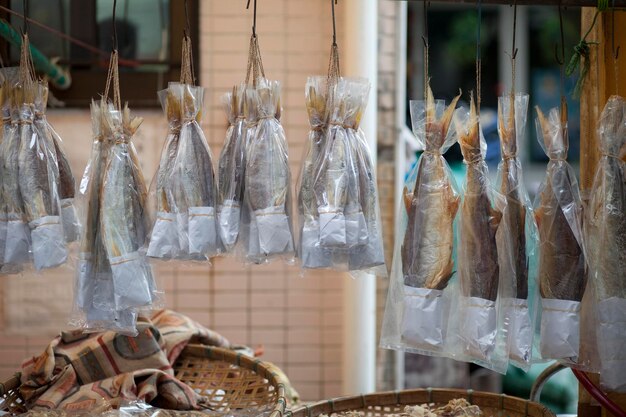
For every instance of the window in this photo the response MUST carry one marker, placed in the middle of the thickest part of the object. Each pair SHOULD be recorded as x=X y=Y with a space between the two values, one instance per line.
x=149 y=42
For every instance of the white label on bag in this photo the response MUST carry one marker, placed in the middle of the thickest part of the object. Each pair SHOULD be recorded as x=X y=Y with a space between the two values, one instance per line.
x=70 y=220
x=48 y=241
x=130 y=281
x=182 y=224
x=202 y=231
x=423 y=321
x=356 y=229
x=332 y=227
x=164 y=238
x=520 y=330
x=274 y=231
x=17 y=248
x=312 y=255
x=477 y=327
x=370 y=255
x=229 y=218
x=560 y=329
x=612 y=343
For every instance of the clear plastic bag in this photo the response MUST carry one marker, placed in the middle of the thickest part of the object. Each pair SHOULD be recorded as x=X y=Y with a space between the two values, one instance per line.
x=477 y=332
x=193 y=189
x=232 y=169
x=123 y=221
x=267 y=178
x=517 y=235
x=605 y=230
x=418 y=301
x=39 y=178
x=561 y=271
x=164 y=242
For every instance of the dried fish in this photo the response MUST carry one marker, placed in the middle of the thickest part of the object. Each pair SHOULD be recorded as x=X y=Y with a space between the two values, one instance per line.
x=428 y=242
x=164 y=242
x=267 y=176
x=559 y=217
x=606 y=245
x=122 y=215
x=194 y=189
x=478 y=275
x=231 y=172
x=5 y=134
x=38 y=178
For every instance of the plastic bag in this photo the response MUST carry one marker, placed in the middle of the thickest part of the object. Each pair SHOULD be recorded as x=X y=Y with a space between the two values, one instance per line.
x=606 y=245
x=231 y=169
x=517 y=235
x=561 y=273
x=39 y=178
x=476 y=329
x=164 y=236
x=416 y=313
x=267 y=178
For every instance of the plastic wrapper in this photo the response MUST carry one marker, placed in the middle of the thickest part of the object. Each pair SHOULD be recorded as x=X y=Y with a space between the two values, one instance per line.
x=606 y=245
x=418 y=301
x=476 y=329
x=517 y=235
x=231 y=169
x=39 y=178
x=561 y=272
x=267 y=178
x=164 y=237
x=123 y=220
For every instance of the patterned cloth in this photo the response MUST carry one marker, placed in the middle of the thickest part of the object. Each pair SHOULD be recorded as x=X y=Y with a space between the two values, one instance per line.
x=80 y=371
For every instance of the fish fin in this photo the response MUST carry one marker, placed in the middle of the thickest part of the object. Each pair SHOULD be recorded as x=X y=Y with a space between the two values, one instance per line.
x=431 y=106
x=408 y=198
x=446 y=119
x=495 y=217
x=538 y=216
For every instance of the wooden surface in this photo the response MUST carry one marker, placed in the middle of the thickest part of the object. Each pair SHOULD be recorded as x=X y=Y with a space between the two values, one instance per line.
x=599 y=86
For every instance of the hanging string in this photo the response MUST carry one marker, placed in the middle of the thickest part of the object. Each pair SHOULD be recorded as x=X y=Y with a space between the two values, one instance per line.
x=614 y=50
x=27 y=68
x=334 y=71
x=255 y=62
x=560 y=59
x=253 y=18
x=513 y=50
x=478 y=57
x=113 y=75
x=187 y=74
x=426 y=46
x=25 y=7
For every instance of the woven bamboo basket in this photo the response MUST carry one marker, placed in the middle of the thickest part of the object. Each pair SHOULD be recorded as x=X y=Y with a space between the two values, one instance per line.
x=229 y=380
x=386 y=403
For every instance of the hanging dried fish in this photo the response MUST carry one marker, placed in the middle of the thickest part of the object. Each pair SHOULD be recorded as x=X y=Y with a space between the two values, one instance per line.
x=5 y=137
x=39 y=179
x=164 y=241
x=558 y=213
x=193 y=182
x=122 y=214
x=606 y=245
x=267 y=177
x=231 y=171
x=427 y=247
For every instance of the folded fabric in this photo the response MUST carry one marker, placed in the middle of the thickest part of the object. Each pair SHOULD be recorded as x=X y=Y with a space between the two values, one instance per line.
x=79 y=371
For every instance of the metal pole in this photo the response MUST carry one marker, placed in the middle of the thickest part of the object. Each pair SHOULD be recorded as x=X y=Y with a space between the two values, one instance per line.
x=360 y=59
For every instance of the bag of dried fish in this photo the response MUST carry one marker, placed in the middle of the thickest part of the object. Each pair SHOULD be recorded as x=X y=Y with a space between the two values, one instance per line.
x=336 y=184
x=164 y=240
x=311 y=254
x=369 y=255
x=231 y=169
x=517 y=234
x=559 y=213
x=193 y=182
x=6 y=131
x=122 y=217
x=475 y=327
x=267 y=176
x=39 y=178
x=606 y=244
x=416 y=313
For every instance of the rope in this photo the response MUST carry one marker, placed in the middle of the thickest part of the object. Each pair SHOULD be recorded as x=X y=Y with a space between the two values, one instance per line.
x=426 y=46
x=478 y=57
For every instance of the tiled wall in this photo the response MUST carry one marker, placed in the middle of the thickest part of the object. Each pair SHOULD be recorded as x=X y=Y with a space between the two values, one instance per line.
x=297 y=319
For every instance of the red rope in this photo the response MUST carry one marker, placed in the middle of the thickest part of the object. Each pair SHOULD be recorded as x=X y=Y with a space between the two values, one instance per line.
x=595 y=392
x=104 y=54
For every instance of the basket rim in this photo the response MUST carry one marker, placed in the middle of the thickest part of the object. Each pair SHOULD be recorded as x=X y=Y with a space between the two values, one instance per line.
x=421 y=396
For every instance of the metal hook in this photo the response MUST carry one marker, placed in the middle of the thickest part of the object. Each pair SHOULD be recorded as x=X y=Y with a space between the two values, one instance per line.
x=615 y=51
x=187 y=29
x=560 y=59
x=114 y=26
x=332 y=5
x=425 y=35
x=25 y=7
x=513 y=48
x=253 y=18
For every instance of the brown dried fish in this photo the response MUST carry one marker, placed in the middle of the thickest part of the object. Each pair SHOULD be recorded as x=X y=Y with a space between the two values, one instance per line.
x=171 y=101
x=561 y=260
x=427 y=247
x=512 y=235
x=478 y=274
